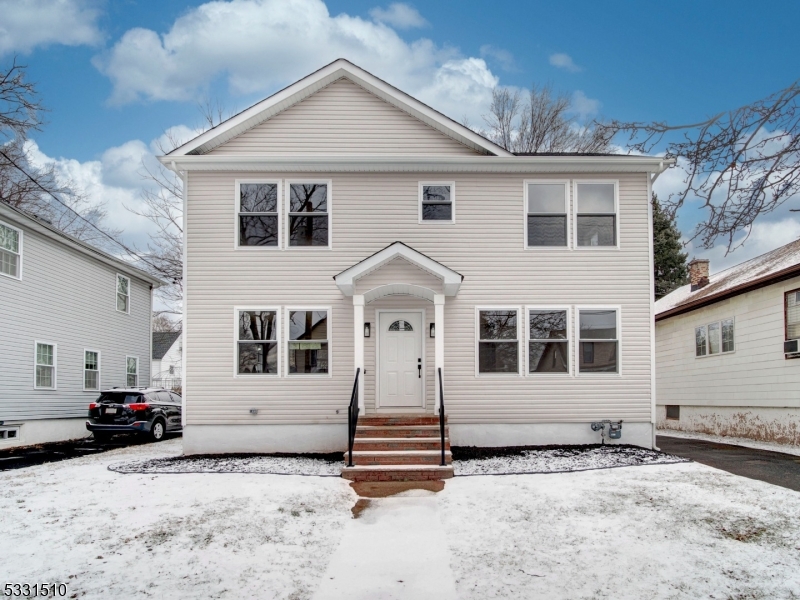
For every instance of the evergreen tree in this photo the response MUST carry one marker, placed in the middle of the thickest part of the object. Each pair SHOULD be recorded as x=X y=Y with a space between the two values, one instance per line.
x=669 y=262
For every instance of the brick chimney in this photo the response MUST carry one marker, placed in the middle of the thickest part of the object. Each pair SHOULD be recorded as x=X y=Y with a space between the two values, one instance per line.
x=698 y=273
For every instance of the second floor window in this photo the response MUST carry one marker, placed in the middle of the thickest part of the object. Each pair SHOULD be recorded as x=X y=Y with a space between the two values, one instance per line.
x=547 y=214
x=258 y=219
x=596 y=220
x=123 y=294
x=436 y=202
x=10 y=251
x=308 y=214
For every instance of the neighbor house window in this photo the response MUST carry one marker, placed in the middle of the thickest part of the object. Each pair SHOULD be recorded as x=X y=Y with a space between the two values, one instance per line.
x=258 y=219
x=792 y=304
x=91 y=370
x=436 y=202
x=10 y=251
x=308 y=343
x=123 y=294
x=258 y=342
x=132 y=371
x=546 y=215
x=548 y=342
x=498 y=341
x=309 y=218
x=599 y=341
x=45 y=377
x=596 y=220
x=714 y=338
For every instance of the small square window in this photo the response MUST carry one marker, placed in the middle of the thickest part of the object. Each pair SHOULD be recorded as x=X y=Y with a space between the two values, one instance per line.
x=437 y=202
x=673 y=412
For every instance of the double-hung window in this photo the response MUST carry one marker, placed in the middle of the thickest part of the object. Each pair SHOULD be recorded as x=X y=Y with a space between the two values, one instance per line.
x=45 y=374
x=548 y=340
x=436 y=202
x=91 y=370
x=123 y=294
x=308 y=345
x=714 y=338
x=596 y=213
x=309 y=214
x=132 y=371
x=258 y=214
x=598 y=350
x=10 y=251
x=257 y=346
x=792 y=312
x=498 y=341
x=546 y=214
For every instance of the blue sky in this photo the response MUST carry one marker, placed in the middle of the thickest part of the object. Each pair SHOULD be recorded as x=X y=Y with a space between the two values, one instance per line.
x=116 y=75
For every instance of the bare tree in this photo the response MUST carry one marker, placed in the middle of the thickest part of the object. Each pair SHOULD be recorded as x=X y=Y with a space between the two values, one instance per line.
x=162 y=322
x=20 y=107
x=740 y=164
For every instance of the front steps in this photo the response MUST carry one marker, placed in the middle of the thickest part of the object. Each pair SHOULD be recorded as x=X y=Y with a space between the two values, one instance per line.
x=399 y=447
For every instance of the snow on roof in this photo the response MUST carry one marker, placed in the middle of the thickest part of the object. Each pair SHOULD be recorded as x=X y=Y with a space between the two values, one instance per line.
x=764 y=267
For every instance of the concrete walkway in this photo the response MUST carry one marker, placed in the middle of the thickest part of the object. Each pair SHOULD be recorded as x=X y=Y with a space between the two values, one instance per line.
x=396 y=549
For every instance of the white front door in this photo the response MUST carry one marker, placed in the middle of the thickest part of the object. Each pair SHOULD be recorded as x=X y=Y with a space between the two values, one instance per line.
x=400 y=357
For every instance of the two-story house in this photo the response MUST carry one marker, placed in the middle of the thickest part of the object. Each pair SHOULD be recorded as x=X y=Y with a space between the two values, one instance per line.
x=341 y=226
x=74 y=320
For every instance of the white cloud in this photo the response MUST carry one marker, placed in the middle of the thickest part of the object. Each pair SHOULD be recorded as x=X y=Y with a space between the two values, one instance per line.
x=584 y=106
x=399 y=15
x=27 y=24
x=564 y=61
x=504 y=58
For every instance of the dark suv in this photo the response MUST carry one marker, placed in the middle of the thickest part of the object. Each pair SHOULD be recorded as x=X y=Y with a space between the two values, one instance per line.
x=149 y=411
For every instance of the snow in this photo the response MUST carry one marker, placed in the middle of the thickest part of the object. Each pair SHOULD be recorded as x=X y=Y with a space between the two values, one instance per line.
x=734 y=441
x=680 y=530
x=275 y=465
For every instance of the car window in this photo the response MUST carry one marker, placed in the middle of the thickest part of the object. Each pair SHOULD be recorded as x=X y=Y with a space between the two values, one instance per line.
x=119 y=398
x=175 y=398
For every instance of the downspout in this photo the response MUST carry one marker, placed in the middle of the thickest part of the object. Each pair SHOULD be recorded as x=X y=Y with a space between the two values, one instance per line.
x=651 y=263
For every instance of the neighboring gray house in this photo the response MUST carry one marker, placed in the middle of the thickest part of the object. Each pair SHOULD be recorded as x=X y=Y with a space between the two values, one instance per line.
x=74 y=320
x=167 y=359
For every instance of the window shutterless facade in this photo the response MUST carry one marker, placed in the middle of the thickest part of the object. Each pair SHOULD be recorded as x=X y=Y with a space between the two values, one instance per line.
x=596 y=208
x=45 y=366
x=10 y=251
x=792 y=314
x=123 y=294
x=548 y=340
x=546 y=214
x=258 y=214
x=598 y=343
x=257 y=345
x=498 y=340
x=437 y=202
x=309 y=219
x=308 y=341
x=91 y=370
x=132 y=371
x=714 y=338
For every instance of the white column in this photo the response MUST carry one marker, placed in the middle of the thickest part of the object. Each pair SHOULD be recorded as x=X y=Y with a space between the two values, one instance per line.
x=358 y=346
x=438 y=361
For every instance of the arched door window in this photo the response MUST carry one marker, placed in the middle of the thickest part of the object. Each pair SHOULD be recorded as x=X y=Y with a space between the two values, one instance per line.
x=401 y=326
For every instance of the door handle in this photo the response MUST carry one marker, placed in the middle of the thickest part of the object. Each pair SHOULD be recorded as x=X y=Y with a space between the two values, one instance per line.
x=419 y=368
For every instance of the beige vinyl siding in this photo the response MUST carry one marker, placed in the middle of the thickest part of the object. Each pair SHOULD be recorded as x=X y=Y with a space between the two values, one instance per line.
x=756 y=374
x=343 y=118
x=486 y=245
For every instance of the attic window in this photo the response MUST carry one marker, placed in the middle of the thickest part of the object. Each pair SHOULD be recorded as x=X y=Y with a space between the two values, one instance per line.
x=437 y=202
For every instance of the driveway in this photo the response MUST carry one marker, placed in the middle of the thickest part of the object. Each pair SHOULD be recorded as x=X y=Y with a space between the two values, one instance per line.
x=772 y=467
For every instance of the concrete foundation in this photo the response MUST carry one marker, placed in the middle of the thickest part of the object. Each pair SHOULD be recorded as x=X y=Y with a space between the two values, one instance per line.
x=44 y=431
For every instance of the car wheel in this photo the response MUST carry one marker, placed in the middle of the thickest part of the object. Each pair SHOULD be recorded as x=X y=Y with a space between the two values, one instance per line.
x=157 y=431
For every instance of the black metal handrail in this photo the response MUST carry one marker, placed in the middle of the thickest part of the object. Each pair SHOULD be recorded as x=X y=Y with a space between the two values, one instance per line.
x=441 y=414
x=352 y=420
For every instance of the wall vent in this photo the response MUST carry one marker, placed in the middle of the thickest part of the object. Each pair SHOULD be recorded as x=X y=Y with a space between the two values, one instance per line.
x=673 y=412
x=9 y=433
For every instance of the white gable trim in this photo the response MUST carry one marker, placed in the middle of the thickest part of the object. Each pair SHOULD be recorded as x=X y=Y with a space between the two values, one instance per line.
x=346 y=280
x=280 y=101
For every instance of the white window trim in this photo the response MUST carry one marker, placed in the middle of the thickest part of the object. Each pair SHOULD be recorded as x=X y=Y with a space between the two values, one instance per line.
x=567 y=205
x=116 y=293
x=575 y=206
x=570 y=369
x=19 y=252
x=138 y=373
x=577 y=344
x=286 y=340
x=236 y=311
x=452 y=220
x=708 y=339
x=520 y=311
x=287 y=222
x=36 y=364
x=99 y=370
x=237 y=213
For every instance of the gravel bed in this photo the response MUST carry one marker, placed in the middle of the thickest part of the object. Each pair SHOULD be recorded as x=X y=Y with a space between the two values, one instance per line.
x=321 y=465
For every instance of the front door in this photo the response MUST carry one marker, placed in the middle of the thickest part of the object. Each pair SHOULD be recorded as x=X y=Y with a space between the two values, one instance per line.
x=400 y=360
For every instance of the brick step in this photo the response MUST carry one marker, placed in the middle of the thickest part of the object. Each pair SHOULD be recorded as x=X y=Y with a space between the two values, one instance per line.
x=400 y=457
x=426 y=443
x=397 y=473
x=398 y=431
x=400 y=419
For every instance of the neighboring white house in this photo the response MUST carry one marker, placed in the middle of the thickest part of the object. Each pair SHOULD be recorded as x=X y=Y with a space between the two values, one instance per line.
x=725 y=350
x=167 y=360
x=74 y=320
x=342 y=225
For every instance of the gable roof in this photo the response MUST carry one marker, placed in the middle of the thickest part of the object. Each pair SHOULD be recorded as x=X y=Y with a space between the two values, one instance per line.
x=289 y=96
x=775 y=266
x=162 y=342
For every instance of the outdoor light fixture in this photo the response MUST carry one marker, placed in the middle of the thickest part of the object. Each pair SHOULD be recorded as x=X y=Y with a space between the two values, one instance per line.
x=366 y=329
x=433 y=330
